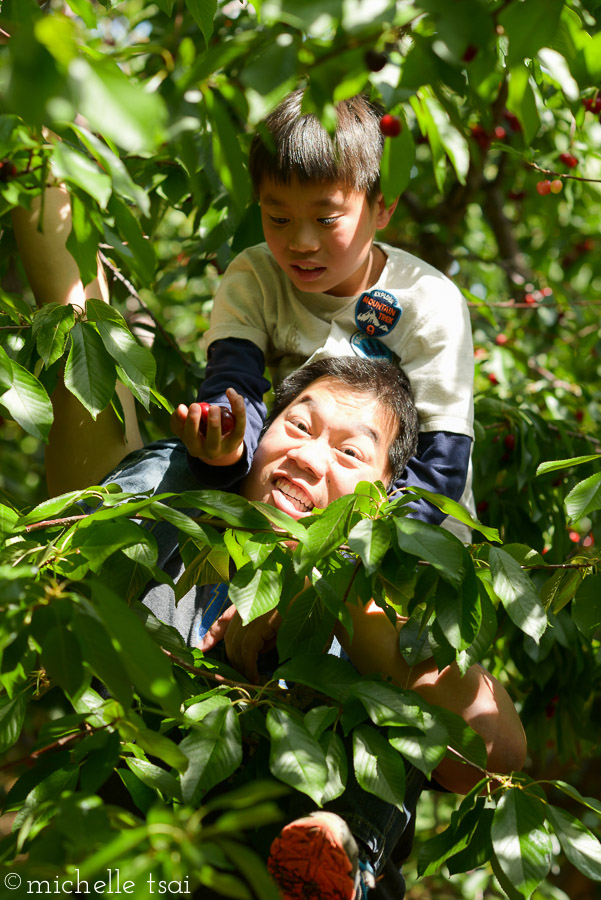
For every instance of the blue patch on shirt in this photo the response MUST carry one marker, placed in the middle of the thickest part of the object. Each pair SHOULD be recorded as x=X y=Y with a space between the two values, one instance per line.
x=369 y=347
x=218 y=602
x=377 y=312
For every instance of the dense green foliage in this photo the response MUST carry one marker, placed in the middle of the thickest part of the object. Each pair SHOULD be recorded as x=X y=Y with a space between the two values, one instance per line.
x=154 y=105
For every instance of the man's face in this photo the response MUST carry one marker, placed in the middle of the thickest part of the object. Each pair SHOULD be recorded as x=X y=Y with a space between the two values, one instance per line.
x=318 y=449
x=322 y=235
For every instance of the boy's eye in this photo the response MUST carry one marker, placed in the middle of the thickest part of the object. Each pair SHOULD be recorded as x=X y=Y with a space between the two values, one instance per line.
x=278 y=220
x=328 y=220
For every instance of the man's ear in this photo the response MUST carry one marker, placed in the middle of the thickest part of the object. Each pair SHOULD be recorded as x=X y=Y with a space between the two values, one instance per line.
x=384 y=212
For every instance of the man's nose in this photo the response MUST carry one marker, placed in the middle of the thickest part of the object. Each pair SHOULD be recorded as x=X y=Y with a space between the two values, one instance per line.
x=304 y=238
x=312 y=456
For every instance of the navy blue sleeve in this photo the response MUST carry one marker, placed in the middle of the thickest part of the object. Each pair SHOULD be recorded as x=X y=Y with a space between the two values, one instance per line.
x=440 y=466
x=237 y=363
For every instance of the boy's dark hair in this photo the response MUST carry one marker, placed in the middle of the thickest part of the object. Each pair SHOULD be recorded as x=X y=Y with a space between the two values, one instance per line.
x=295 y=144
x=379 y=378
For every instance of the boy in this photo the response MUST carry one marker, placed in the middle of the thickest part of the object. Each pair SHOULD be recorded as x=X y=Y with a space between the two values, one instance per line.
x=320 y=286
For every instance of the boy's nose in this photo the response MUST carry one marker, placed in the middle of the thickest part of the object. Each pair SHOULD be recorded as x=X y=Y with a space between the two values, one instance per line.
x=303 y=239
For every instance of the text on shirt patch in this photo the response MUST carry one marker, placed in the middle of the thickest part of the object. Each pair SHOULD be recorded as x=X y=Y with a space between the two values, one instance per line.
x=377 y=312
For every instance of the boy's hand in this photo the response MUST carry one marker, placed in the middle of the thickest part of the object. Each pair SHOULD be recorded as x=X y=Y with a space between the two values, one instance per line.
x=214 y=447
x=243 y=643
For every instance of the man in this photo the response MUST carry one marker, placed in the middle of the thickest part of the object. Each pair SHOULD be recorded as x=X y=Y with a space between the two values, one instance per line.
x=336 y=422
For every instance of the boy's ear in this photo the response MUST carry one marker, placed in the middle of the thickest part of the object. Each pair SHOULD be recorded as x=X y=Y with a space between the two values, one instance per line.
x=384 y=212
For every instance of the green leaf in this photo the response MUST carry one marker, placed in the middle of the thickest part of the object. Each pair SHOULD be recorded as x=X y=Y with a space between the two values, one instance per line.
x=134 y=359
x=51 y=325
x=306 y=627
x=327 y=530
x=61 y=657
x=253 y=869
x=319 y=672
x=85 y=235
x=458 y=612
x=255 y=592
x=73 y=166
x=12 y=716
x=554 y=465
x=433 y=544
x=137 y=251
x=26 y=401
x=389 y=705
x=379 y=769
x=584 y=498
x=423 y=750
x=144 y=662
x=99 y=653
x=335 y=754
x=281 y=520
x=295 y=757
x=89 y=371
x=529 y=27
x=116 y=106
x=591 y=802
x=521 y=844
x=227 y=154
x=370 y=539
x=439 y=848
x=234 y=510
x=521 y=101
x=517 y=594
x=203 y=13
x=123 y=184
x=459 y=512
x=586 y=606
x=579 y=844
x=396 y=163
x=214 y=752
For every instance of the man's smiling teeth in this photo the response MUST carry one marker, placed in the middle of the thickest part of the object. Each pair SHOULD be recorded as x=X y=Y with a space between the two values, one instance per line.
x=293 y=493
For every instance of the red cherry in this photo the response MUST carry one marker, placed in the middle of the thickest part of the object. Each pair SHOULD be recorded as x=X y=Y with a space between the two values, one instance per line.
x=509 y=442
x=375 y=61
x=544 y=187
x=568 y=160
x=228 y=420
x=579 y=415
x=529 y=298
x=574 y=537
x=390 y=126
x=500 y=133
x=512 y=120
x=482 y=506
x=471 y=51
x=589 y=540
x=556 y=186
x=481 y=136
x=501 y=339
x=516 y=195
x=493 y=378
x=8 y=170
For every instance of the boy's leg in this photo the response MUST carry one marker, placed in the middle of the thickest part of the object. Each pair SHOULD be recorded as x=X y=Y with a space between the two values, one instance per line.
x=80 y=450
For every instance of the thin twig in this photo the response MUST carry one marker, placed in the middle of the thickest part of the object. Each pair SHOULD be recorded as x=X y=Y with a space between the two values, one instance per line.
x=214 y=676
x=132 y=290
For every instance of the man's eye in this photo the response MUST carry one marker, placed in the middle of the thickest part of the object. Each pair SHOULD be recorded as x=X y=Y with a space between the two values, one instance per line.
x=302 y=426
x=348 y=451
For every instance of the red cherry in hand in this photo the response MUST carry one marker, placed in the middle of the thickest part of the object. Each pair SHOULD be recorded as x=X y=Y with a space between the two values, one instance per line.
x=390 y=126
x=228 y=420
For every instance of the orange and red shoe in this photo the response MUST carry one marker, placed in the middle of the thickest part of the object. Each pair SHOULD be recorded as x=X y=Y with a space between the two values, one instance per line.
x=316 y=858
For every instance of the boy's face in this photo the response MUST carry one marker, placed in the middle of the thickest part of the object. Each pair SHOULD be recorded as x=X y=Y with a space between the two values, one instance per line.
x=320 y=447
x=321 y=235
